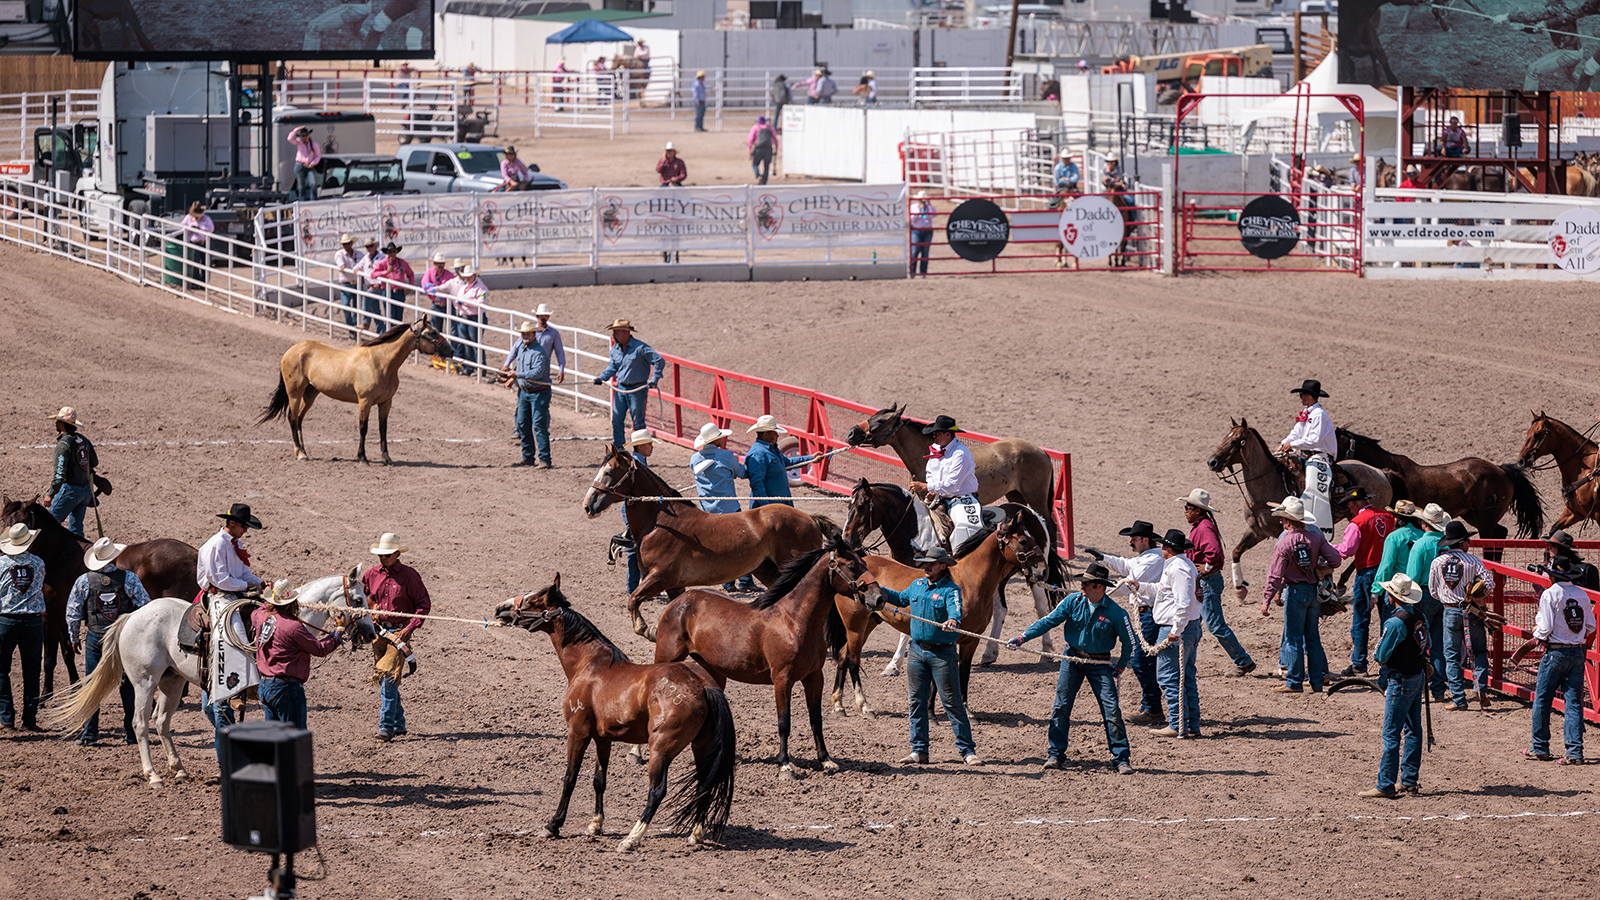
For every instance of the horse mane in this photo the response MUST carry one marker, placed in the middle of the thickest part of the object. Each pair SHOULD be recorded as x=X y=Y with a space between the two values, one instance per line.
x=973 y=540
x=890 y=487
x=1356 y=437
x=793 y=571
x=388 y=337
x=50 y=530
x=575 y=629
x=662 y=488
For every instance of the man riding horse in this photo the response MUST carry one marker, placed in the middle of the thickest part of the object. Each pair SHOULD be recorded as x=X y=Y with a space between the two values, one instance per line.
x=223 y=572
x=1312 y=439
x=952 y=486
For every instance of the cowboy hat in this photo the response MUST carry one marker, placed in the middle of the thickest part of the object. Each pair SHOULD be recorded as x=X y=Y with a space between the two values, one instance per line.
x=1097 y=573
x=347 y=238
x=701 y=73
x=1356 y=158
x=1405 y=509
x=1310 y=386
x=544 y=310
x=1402 y=588
x=240 y=512
x=282 y=594
x=1292 y=508
x=1199 y=498
x=1353 y=494
x=670 y=146
x=922 y=195
x=101 y=554
x=710 y=433
x=1434 y=517
x=1559 y=538
x=870 y=74
x=439 y=257
x=941 y=423
x=1455 y=532
x=371 y=242
x=512 y=149
x=761 y=120
x=469 y=271
x=458 y=264
x=1065 y=154
x=1562 y=568
x=388 y=543
x=767 y=423
x=68 y=416
x=392 y=247
x=815 y=72
x=935 y=555
x=1175 y=540
x=303 y=129
x=1140 y=528
x=527 y=326
x=642 y=436
x=14 y=541
x=620 y=324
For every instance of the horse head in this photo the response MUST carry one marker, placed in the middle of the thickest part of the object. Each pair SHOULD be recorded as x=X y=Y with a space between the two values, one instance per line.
x=616 y=470
x=354 y=594
x=430 y=341
x=1021 y=546
x=862 y=517
x=535 y=611
x=878 y=427
x=1230 y=452
x=850 y=577
x=1533 y=444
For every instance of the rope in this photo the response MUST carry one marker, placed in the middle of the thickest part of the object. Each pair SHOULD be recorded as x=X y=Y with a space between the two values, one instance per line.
x=228 y=633
x=735 y=497
x=1071 y=659
x=362 y=611
x=1530 y=27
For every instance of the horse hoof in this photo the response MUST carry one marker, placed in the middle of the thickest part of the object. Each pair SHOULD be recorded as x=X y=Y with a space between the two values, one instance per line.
x=867 y=713
x=840 y=712
x=597 y=826
x=547 y=832
x=787 y=773
x=892 y=670
x=155 y=781
x=626 y=846
x=829 y=767
x=697 y=836
x=180 y=776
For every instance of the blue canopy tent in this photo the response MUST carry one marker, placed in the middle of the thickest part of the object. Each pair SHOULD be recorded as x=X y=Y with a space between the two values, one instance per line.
x=590 y=31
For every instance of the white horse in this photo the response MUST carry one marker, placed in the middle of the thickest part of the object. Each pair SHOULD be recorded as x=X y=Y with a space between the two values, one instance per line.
x=144 y=646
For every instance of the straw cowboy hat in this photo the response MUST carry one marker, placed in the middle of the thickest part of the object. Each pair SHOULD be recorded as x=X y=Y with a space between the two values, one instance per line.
x=642 y=436
x=870 y=74
x=371 y=242
x=1356 y=159
x=14 y=541
x=767 y=423
x=1434 y=517
x=622 y=324
x=282 y=594
x=1199 y=498
x=240 y=512
x=69 y=416
x=710 y=433
x=816 y=73
x=1292 y=508
x=439 y=257
x=469 y=271
x=101 y=554
x=1310 y=386
x=458 y=264
x=1456 y=533
x=1402 y=588
x=1405 y=509
x=544 y=310
x=388 y=543
x=922 y=195
x=701 y=73
x=527 y=326
x=347 y=238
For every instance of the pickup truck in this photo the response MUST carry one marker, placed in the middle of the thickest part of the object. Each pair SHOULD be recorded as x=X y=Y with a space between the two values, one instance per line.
x=455 y=168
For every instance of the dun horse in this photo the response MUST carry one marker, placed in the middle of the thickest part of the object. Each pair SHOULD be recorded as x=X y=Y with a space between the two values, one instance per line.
x=779 y=639
x=681 y=546
x=367 y=375
x=609 y=699
x=1470 y=488
x=1575 y=456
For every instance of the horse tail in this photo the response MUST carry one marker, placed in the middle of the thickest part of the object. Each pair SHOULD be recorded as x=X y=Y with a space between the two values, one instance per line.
x=279 y=406
x=1525 y=501
x=831 y=533
x=81 y=699
x=705 y=796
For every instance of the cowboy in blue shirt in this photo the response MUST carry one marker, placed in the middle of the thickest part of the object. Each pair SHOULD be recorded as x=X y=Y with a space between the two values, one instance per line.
x=1092 y=625
x=99 y=598
x=715 y=468
x=529 y=365
x=1066 y=174
x=768 y=469
x=932 y=662
x=636 y=366
x=21 y=622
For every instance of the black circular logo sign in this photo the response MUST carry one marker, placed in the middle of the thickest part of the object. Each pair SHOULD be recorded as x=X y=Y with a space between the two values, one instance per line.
x=978 y=230
x=1269 y=227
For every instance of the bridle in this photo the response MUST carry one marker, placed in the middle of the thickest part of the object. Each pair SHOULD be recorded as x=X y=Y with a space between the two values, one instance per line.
x=533 y=620
x=1538 y=443
x=865 y=509
x=853 y=587
x=1009 y=541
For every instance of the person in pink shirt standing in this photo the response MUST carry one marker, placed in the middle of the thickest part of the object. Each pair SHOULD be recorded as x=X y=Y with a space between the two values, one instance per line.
x=469 y=294
x=762 y=144
x=434 y=281
x=1205 y=551
x=393 y=276
x=284 y=647
x=197 y=231
x=306 y=157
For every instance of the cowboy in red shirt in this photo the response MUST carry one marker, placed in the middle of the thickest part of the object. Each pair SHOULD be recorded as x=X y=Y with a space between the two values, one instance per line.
x=284 y=647
x=1205 y=551
x=395 y=587
x=1362 y=542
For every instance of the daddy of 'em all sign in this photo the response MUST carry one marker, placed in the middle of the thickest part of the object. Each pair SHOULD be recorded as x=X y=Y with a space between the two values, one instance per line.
x=1575 y=241
x=978 y=230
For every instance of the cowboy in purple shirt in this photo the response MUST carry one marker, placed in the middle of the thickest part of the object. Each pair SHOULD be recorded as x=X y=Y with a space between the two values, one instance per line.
x=1300 y=552
x=1206 y=554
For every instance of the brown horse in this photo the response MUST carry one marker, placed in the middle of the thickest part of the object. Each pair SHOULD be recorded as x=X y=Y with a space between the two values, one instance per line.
x=1470 y=488
x=165 y=566
x=1016 y=544
x=681 y=546
x=367 y=375
x=779 y=639
x=1265 y=478
x=1575 y=456
x=670 y=705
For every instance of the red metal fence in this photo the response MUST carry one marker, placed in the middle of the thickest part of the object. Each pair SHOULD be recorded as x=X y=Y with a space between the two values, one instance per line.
x=1035 y=241
x=1516 y=596
x=693 y=394
x=1208 y=233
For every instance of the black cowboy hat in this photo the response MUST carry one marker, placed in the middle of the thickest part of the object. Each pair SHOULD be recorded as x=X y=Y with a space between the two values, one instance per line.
x=1562 y=568
x=240 y=512
x=1559 y=538
x=1175 y=540
x=1097 y=573
x=1455 y=531
x=936 y=555
x=1355 y=494
x=1140 y=528
x=941 y=423
x=1312 y=387
x=390 y=247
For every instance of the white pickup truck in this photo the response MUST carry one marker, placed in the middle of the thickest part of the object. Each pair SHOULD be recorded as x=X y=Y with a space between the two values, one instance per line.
x=454 y=168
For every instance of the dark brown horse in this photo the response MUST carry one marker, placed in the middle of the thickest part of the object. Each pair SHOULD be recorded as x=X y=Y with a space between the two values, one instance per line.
x=1470 y=488
x=681 y=546
x=609 y=699
x=367 y=375
x=165 y=566
x=1575 y=456
x=780 y=639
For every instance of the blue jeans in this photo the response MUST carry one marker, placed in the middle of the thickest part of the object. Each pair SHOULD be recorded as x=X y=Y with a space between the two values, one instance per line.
x=372 y=305
x=1402 y=716
x=921 y=243
x=69 y=505
x=91 y=660
x=1104 y=685
x=304 y=188
x=1361 y=616
x=396 y=312
x=1301 y=636
x=1459 y=625
x=24 y=633
x=464 y=332
x=533 y=424
x=1211 y=614
x=347 y=299
x=1144 y=665
x=761 y=163
x=700 y=115
x=929 y=670
x=1175 y=669
x=391 y=715
x=621 y=406
x=1433 y=611
x=221 y=716
x=1560 y=669
x=283 y=700
x=437 y=319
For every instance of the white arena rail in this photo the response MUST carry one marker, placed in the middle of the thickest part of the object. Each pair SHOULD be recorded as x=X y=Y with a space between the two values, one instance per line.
x=1463 y=235
x=20 y=114
x=938 y=84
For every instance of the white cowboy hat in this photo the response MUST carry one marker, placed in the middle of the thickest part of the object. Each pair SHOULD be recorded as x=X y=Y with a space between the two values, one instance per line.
x=346 y=238
x=469 y=271
x=458 y=263
x=1292 y=508
x=1065 y=154
x=1402 y=588
x=282 y=594
x=767 y=423
x=870 y=74
x=670 y=146
x=710 y=433
x=642 y=436
x=544 y=310
x=439 y=257
x=700 y=74
x=1199 y=498
x=14 y=541
x=922 y=195
x=1434 y=517
x=69 y=416
x=388 y=543
x=101 y=554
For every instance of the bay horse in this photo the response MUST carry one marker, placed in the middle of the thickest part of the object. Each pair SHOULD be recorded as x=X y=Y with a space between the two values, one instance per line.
x=779 y=639
x=1473 y=489
x=143 y=645
x=1575 y=456
x=681 y=546
x=1015 y=544
x=1265 y=478
x=610 y=698
x=367 y=375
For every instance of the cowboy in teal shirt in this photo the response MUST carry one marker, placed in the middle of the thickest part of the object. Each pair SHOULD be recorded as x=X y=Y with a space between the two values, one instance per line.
x=937 y=598
x=1092 y=628
x=1396 y=548
x=932 y=662
x=1423 y=553
x=767 y=469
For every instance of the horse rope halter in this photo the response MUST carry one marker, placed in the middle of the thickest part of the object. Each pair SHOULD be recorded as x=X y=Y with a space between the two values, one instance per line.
x=1009 y=541
x=853 y=586
x=532 y=620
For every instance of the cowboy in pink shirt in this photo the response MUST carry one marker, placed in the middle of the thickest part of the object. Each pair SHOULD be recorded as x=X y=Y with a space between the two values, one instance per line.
x=306 y=157
x=284 y=647
x=393 y=276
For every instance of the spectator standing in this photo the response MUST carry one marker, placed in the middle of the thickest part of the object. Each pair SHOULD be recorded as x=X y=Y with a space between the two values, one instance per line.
x=867 y=88
x=762 y=144
x=698 y=90
x=715 y=467
x=306 y=157
x=394 y=277
x=433 y=284
x=99 y=597
x=348 y=274
x=72 y=472
x=637 y=367
x=766 y=466
x=528 y=363
x=810 y=84
x=921 y=233
x=197 y=230
x=21 y=624
x=780 y=98
x=468 y=294
x=826 y=87
x=371 y=305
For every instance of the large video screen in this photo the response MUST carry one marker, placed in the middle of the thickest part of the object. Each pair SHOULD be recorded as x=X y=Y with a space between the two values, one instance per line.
x=1531 y=45
x=150 y=30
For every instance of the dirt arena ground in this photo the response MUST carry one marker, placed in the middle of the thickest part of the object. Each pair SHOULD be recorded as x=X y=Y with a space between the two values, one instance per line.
x=1135 y=376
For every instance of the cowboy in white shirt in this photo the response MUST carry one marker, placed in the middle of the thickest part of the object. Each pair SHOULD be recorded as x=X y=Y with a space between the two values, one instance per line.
x=223 y=565
x=1145 y=568
x=363 y=269
x=1312 y=435
x=223 y=572
x=952 y=481
x=1176 y=610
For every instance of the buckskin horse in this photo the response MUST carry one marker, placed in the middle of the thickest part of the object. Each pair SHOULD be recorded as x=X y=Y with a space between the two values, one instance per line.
x=1265 y=478
x=779 y=639
x=1473 y=489
x=1575 y=456
x=682 y=546
x=367 y=375
x=610 y=698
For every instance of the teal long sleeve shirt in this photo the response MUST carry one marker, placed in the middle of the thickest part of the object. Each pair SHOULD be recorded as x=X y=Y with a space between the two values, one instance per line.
x=1423 y=553
x=939 y=602
x=1396 y=553
x=1088 y=627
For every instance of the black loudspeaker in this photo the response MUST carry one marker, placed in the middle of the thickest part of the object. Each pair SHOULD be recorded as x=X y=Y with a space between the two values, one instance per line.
x=1511 y=130
x=268 y=788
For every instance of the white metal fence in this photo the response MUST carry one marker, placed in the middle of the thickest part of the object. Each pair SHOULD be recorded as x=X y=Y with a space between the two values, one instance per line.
x=1413 y=234
x=20 y=114
x=936 y=85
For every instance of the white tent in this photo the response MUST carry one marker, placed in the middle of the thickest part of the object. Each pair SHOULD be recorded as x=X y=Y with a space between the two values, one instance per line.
x=1382 y=114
